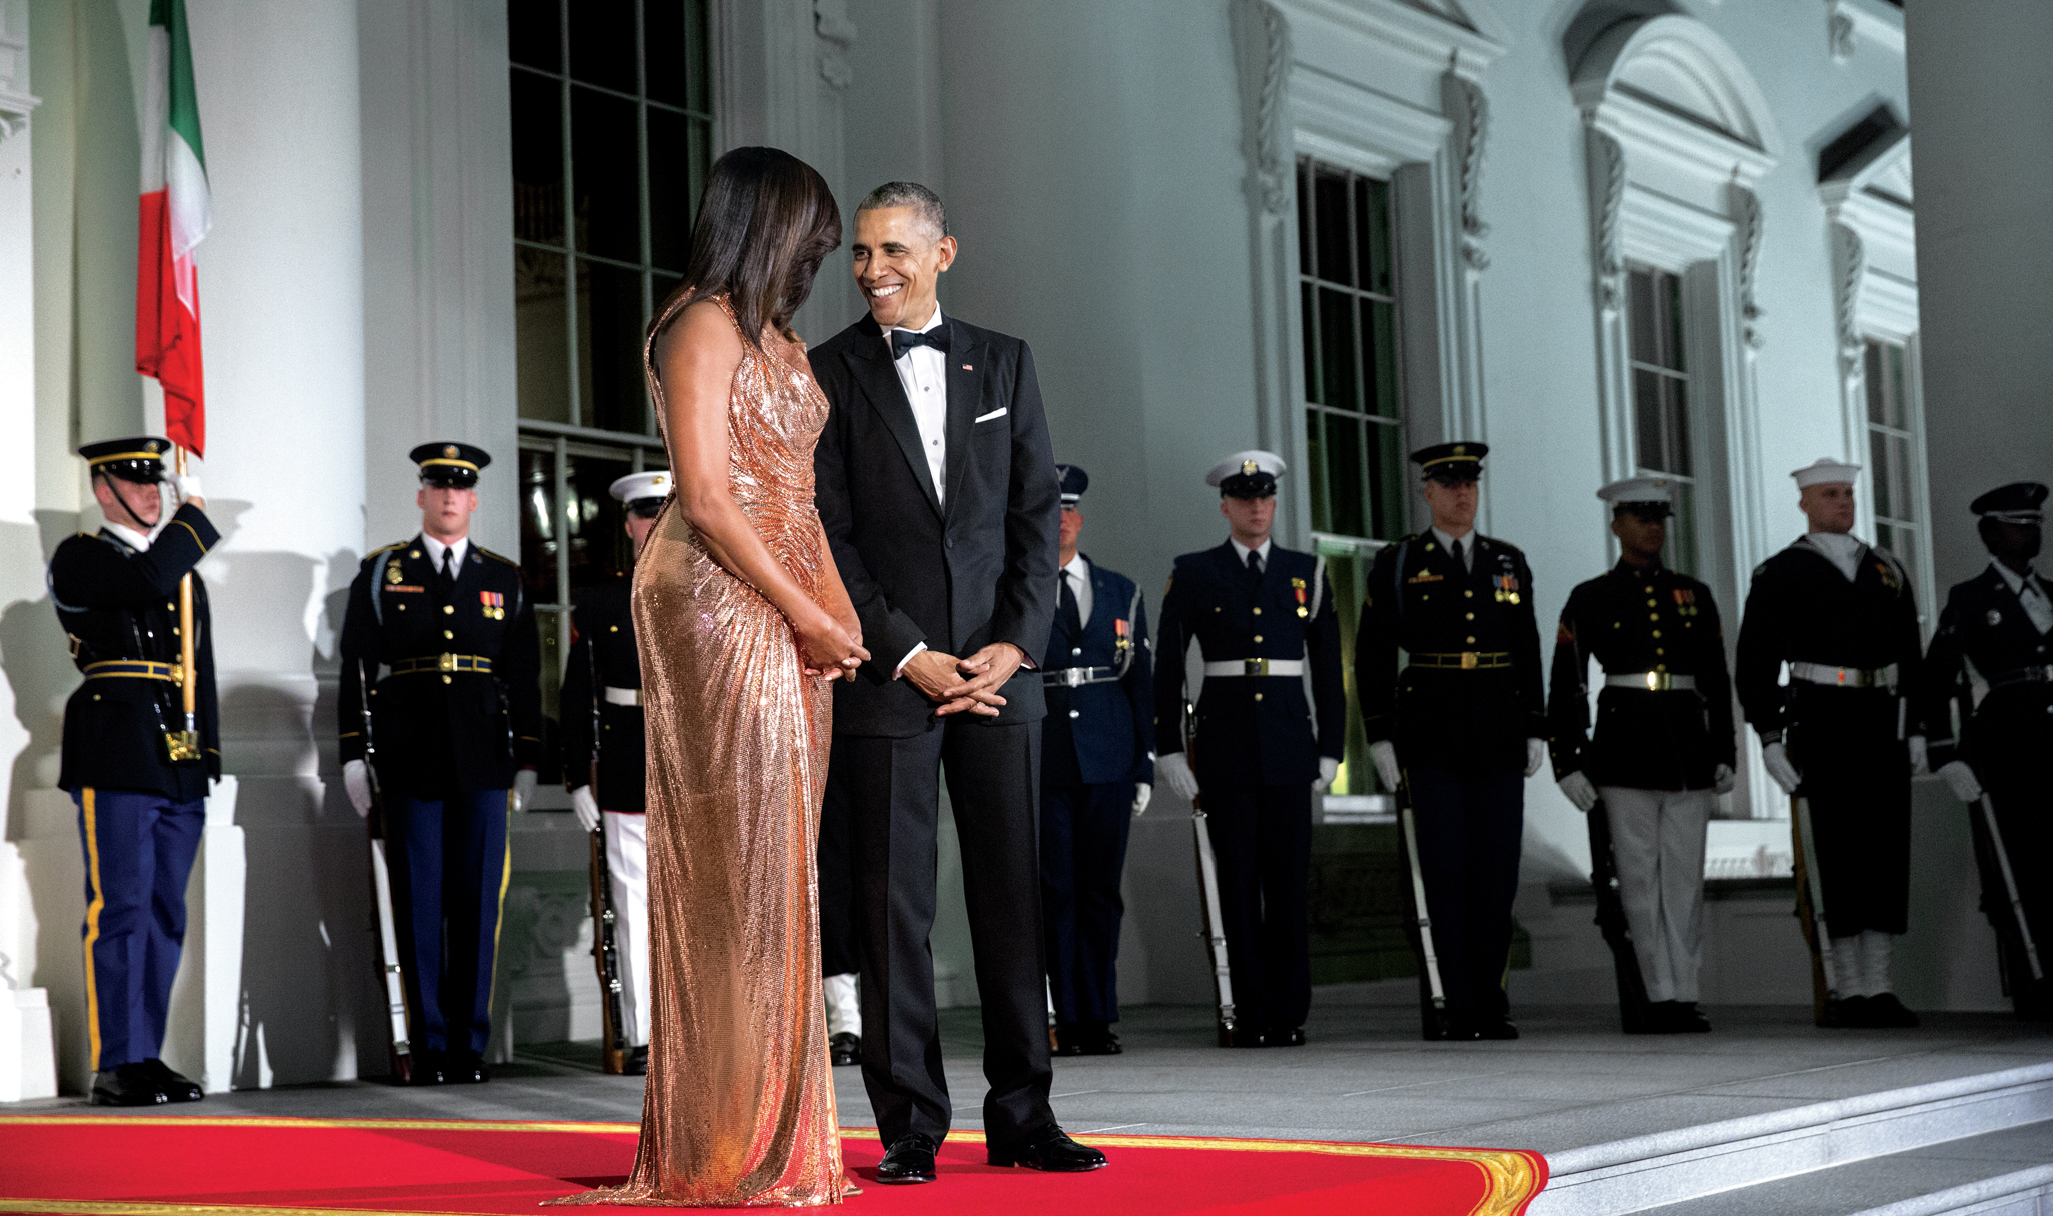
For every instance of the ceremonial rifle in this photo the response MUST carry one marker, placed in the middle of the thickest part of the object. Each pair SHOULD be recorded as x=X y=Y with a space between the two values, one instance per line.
x=1810 y=911
x=381 y=897
x=2002 y=854
x=1214 y=928
x=605 y=947
x=184 y=745
x=1633 y=1006
x=1433 y=1000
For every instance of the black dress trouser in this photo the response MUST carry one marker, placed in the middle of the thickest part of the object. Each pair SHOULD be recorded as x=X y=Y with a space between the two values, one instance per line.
x=893 y=790
x=1848 y=745
x=1262 y=839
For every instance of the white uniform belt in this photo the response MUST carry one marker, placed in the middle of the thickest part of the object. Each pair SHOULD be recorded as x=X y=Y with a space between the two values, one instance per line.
x=1076 y=677
x=623 y=696
x=1844 y=677
x=1256 y=667
x=1650 y=681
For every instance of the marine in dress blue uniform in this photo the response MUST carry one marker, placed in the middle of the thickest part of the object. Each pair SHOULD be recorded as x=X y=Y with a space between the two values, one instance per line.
x=1262 y=616
x=2000 y=622
x=1097 y=763
x=1460 y=727
x=139 y=784
x=457 y=723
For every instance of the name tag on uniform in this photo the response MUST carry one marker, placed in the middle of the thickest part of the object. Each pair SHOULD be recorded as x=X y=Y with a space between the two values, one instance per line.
x=1425 y=576
x=494 y=603
x=403 y=587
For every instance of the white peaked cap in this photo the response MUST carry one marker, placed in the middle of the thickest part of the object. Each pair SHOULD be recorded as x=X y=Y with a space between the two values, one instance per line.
x=1639 y=489
x=1825 y=470
x=1240 y=462
x=636 y=486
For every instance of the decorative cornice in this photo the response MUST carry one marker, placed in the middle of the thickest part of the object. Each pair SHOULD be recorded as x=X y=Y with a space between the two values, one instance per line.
x=1747 y=208
x=837 y=35
x=1470 y=111
x=1850 y=257
x=1847 y=22
x=1607 y=188
x=1464 y=33
x=1267 y=54
x=1693 y=105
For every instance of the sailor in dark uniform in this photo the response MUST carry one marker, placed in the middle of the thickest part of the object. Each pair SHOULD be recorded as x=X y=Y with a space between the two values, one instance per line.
x=1262 y=616
x=2001 y=621
x=1841 y=737
x=1461 y=727
x=456 y=722
x=1097 y=763
x=1664 y=747
x=135 y=767
x=602 y=683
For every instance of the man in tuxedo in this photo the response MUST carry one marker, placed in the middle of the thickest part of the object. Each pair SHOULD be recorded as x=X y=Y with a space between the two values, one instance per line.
x=938 y=492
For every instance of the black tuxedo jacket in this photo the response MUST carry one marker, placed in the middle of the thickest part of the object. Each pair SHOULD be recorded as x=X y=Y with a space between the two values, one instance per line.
x=958 y=577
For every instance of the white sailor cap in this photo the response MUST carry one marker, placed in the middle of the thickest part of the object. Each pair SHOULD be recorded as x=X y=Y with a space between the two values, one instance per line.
x=1249 y=474
x=1823 y=471
x=637 y=486
x=1638 y=490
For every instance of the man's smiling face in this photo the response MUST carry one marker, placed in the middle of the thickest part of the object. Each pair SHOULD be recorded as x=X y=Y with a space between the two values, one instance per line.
x=899 y=260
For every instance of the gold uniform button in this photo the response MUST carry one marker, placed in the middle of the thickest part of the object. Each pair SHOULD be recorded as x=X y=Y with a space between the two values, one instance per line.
x=1258 y=637
x=1657 y=633
x=1650 y=591
x=1258 y=696
x=1650 y=603
x=1472 y=639
x=445 y=679
x=1472 y=616
x=1653 y=616
x=1659 y=650
x=1468 y=594
x=447 y=634
x=1258 y=612
x=402 y=607
x=612 y=629
x=448 y=608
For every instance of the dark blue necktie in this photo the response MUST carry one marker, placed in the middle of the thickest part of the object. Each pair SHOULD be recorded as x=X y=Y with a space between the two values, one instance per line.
x=903 y=340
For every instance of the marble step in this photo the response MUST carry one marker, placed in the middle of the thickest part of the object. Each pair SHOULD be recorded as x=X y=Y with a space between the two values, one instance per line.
x=1672 y=1167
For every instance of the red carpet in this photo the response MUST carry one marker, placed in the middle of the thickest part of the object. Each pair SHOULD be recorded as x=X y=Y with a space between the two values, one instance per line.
x=172 y=1166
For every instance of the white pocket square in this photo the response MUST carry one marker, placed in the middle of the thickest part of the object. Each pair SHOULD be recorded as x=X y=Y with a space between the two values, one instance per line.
x=1000 y=412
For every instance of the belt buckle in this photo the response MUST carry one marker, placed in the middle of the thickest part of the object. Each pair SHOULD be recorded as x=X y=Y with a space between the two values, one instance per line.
x=1075 y=676
x=1255 y=667
x=1469 y=660
x=1656 y=681
x=446 y=663
x=177 y=673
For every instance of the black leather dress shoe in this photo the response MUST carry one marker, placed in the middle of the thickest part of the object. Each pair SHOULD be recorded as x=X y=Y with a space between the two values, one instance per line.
x=466 y=1069
x=127 y=1085
x=1846 y=1013
x=637 y=1062
x=911 y=1159
x=1052 y=1151
x=1496 y=1028
x=844 y=1049
x=1689 y=1019
x=1885 y=1012
x=426 y=1068
x=1293 y=1036
x=1104 y=1043
x=176 y=1088
x=1242 y=1036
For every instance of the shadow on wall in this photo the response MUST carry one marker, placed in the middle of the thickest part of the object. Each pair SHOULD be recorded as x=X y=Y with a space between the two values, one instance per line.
x=36 y=659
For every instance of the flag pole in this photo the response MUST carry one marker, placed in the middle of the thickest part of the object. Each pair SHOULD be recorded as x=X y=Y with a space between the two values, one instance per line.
x=188 y=673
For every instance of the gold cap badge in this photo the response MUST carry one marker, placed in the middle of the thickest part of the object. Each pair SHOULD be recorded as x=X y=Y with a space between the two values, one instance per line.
x=1250 y=467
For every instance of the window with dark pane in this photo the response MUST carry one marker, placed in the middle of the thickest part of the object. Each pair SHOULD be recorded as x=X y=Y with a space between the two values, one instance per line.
x=1661 y=401
x=1353 y=423
x=1890 y=451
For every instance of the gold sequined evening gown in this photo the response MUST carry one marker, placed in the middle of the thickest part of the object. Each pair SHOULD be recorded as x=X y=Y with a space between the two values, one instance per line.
x=739 y=1108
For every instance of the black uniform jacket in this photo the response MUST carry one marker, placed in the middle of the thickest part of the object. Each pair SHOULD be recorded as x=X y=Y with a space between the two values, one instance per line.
x=1097 y=734
x=604 y=647
x=960 y=576
x=116 y=604
x=1252 y=730
x=1984 y=624
x=449 y=727
x=1801 y=609
x=1634 y=622
x=1422 y=602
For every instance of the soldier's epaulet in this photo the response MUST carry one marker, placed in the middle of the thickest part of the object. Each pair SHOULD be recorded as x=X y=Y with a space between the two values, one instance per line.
x=497 y=557
x=373 y=554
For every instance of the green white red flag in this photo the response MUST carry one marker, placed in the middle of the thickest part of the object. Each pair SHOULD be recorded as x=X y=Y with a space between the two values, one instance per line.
x=177 y=211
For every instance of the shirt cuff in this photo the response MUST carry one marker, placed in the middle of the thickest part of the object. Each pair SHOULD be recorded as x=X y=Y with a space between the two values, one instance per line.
x=900 y=669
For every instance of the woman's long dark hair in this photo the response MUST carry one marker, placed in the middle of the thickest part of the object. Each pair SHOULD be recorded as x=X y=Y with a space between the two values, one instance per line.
x=766 y=222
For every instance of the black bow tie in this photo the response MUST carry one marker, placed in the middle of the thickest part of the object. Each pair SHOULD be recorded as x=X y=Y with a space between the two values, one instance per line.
x=903 y=340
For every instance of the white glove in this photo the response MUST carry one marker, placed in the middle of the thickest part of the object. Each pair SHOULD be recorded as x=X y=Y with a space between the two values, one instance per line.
x=1535 y=755
x=1329 y=768
x=1723 y=779
x=1579 y=790
x=356 y=781
x=524 y=783
x=1961 y=780
x=585 y=807
x=1141 y=794
x=187 y=485
x=1779 y=768
x=1920 y=757
x=1173 y=770
x=1383 y=754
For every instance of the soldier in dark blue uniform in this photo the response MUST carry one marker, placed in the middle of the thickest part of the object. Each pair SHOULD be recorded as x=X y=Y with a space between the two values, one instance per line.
x=138 y=778
x=457 y=729
x=1096 y=770
x=1664 y=747
x=1841 y=737
x=1461 y=727
x=2001 y=621
x=602 y=682
x=1262 y=616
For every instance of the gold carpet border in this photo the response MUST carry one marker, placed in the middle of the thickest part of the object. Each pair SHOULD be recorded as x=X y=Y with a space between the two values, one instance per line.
x=1510 y=1178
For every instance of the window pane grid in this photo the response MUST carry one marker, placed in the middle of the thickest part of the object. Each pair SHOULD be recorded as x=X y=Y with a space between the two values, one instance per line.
x=1660 y=391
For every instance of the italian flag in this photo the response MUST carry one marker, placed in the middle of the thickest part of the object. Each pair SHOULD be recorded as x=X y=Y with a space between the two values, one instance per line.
x=177 y=211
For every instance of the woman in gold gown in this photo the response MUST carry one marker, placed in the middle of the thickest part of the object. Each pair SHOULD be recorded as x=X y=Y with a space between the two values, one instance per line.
x=742 y=622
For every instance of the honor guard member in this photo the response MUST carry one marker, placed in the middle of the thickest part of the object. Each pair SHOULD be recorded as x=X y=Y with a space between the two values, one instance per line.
x=1840 y=738
x=2001 y=621
x=138 y=778
x=1262 y=615
x=1461 y=727
x=456 y=724
x=1664 y=744
x=1097 y=764
x=602 y=682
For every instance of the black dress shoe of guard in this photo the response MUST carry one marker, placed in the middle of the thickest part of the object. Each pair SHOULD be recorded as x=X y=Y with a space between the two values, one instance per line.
x=127 y=1085
x=1885 y=1012
x=1689 y=1019
x=844 y=1049
x=466 y=1069
x=1242 y=1036
x=176 y=1088
x=1052 y=1151
x=1846 y=1013
x=1103 y=1043
x=636 y=1064
x=911 y=1159
x=1496 y=1028
x=425 y=1068
x=1293 y=1036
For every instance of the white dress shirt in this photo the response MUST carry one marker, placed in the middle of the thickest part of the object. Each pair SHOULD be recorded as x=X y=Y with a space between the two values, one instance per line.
x=1844 y=549
x=139 y=541
x=1078 y=572
x=1468 y=546
x=1241 y=551
x=2030 y=594
x=435 y=547
x=923 y=371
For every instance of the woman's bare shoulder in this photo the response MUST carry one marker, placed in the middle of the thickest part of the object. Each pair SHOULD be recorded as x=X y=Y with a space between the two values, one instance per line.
x=701 y=332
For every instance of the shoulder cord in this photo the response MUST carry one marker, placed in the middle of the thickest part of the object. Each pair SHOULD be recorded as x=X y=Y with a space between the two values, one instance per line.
x=378 y=587
x=1318 y=587
x=1397 y=586
x=1126 y=656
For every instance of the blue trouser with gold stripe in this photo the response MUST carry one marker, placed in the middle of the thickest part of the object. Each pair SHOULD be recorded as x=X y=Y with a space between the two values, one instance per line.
x=139 y=851
x=450 y=864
